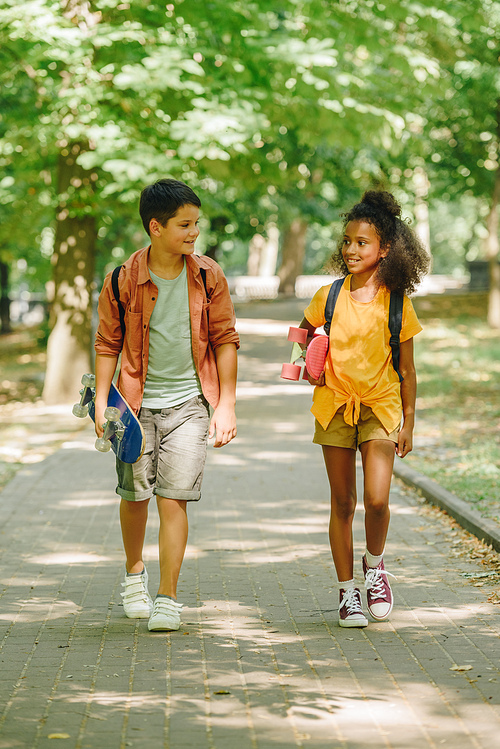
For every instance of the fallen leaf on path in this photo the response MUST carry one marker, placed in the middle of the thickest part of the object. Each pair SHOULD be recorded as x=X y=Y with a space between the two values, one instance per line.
x=59 y=736
x=461 y=668
x=222 y=691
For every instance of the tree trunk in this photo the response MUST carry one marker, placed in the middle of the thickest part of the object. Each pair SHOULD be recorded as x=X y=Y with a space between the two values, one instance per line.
x=293 y=253
x=255 y=250
x=492 y=251
x=263 y=253
x=4 y=299
x=269 y=254
x=69 y=345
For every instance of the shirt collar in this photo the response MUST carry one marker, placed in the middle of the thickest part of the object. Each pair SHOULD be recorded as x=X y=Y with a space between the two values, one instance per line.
x=143 y=270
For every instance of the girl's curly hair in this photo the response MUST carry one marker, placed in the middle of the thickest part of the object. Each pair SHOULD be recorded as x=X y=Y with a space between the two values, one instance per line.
x=407 y=261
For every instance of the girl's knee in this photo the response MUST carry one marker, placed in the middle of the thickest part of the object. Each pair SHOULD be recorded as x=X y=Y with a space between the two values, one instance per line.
x=343 y=506
x=376 y=505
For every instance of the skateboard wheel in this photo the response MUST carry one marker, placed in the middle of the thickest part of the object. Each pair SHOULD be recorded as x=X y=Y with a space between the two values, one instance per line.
x=112 y=414
x=291 y=372
x=316 y=355
x=88 y=380
x=80 y=411
x=297 y=335
x=102 y=445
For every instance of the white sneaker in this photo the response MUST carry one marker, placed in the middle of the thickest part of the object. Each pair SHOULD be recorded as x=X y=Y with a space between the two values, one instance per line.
x=137 y=603
x=166 y=615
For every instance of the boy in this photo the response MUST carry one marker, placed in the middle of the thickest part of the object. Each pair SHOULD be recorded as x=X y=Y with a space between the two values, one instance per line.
x=178 y=355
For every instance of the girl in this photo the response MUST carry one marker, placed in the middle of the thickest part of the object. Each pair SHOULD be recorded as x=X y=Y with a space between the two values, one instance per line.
x=359 y=399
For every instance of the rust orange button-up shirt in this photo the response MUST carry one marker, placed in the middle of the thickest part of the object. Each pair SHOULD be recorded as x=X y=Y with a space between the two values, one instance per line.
x=212 y=323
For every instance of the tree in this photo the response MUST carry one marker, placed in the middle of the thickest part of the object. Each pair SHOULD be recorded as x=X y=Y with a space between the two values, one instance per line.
x=461 y=131
x=493 y=245
x=103 y=125
x=115 y=89
x=278 y=116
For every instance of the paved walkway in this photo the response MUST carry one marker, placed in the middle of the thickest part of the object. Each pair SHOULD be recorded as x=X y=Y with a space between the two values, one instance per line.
x=259 y=661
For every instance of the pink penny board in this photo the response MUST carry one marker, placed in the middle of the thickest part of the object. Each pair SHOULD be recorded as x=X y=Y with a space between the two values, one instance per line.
x=316 y=354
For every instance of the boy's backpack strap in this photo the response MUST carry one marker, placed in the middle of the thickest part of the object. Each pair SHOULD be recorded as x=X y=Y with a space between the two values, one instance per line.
x=331 y=302
x=203 y=272
x=395 y=324
x=116 y=292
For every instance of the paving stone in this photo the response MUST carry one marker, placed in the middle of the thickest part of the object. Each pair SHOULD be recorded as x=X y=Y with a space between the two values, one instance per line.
x=259 y=660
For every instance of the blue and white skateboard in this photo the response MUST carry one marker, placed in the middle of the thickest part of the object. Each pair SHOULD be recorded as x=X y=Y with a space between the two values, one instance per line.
x=123 y=432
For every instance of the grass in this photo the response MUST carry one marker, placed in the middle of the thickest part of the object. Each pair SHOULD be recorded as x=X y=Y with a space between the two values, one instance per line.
x=21 y=380
x=23 y=360
x=457 y=440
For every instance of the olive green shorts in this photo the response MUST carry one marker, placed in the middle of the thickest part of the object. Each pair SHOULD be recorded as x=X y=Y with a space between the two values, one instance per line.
x=340 y=434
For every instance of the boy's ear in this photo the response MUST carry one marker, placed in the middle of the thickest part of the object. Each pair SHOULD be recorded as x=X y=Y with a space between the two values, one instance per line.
x=384 y=251
x=154 y=227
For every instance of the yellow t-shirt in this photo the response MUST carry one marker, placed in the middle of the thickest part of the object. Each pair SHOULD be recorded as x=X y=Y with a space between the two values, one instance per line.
x=359 y=366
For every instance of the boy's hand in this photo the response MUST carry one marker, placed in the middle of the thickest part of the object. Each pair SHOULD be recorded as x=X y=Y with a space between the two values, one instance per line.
x=319 y=382
x=223 y=425
x=99 y=418
x=405 y=442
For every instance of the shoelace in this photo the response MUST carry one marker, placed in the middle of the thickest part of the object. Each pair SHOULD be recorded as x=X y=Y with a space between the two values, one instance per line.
x=351 y=602
x=375 y=582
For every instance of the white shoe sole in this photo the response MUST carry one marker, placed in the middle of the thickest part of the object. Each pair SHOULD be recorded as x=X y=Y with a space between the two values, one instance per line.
x=359 y=622
x=139 y=614
x=163 y=626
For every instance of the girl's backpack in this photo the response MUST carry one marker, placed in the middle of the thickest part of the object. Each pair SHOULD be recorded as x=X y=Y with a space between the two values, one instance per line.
x=395 y=318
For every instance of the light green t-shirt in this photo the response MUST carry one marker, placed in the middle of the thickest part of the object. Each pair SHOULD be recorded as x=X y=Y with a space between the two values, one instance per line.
x=171 y=377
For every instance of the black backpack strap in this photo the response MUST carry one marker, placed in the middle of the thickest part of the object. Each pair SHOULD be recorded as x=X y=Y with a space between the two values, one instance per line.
x=331 y=302
x=116 y=292
x=203 y=272
x=395 y=319
x=395 y=324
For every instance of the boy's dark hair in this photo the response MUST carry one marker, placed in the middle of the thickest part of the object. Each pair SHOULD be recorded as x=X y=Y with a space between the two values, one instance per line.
x=407 y=261
x=163 y=199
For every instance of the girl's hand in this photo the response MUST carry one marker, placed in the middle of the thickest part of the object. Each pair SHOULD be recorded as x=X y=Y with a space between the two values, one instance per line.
x=405 y=442
x=310 y=332
x=317 y=383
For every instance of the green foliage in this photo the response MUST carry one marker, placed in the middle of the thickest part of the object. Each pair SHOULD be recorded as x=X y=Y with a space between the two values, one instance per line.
x=458 y=406
x=459 y=233
x=269 y=112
